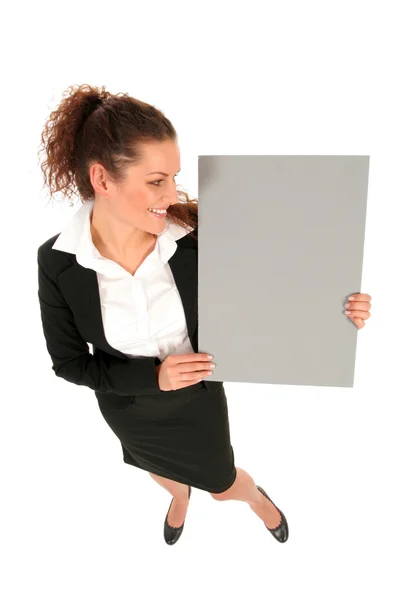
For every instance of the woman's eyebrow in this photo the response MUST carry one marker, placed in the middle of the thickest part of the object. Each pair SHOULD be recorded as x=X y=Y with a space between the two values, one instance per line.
x=161 y=173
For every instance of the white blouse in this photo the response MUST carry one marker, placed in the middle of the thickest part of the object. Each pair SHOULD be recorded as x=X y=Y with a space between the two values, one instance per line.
x=142 y=313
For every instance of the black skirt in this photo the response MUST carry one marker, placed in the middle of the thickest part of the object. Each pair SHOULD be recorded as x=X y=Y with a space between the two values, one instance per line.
x=179 y=434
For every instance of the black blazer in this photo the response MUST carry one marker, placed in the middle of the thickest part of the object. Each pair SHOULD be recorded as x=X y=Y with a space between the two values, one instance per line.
x=71 y=319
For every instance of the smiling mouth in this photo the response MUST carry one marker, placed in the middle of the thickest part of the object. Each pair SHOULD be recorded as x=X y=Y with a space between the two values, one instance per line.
x=158 y=215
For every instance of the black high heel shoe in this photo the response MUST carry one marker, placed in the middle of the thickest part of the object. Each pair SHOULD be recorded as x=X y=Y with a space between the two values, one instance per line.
x=172 y=534
x=281 y=532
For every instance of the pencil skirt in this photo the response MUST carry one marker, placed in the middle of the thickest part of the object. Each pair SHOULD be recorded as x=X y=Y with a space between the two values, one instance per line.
x=183 y=434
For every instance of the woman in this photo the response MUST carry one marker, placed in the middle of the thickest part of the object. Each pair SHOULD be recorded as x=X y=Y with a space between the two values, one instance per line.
x=123 y=278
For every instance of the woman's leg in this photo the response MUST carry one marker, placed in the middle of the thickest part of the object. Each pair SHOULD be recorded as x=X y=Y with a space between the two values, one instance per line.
x=244 y=489
x=180 y=492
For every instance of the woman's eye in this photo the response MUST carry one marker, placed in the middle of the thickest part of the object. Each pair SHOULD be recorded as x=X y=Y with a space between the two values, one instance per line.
x=159 y=180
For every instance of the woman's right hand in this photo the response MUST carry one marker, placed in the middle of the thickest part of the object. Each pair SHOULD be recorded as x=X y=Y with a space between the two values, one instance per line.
x=181 y=370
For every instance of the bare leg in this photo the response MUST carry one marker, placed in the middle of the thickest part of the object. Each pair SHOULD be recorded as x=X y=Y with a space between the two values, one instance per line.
x=180 y=492
x=244 y=489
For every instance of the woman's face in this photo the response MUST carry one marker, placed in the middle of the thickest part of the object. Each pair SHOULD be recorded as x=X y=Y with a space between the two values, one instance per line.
x=150 y=184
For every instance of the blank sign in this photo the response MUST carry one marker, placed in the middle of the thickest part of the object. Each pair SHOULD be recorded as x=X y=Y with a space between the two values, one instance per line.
x=280 y=248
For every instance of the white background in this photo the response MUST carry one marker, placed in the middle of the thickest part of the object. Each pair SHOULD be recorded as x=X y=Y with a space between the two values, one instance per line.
x=234 y=78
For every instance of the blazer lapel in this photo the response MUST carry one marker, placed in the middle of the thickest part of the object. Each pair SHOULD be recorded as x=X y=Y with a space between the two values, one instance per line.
x=183 y=264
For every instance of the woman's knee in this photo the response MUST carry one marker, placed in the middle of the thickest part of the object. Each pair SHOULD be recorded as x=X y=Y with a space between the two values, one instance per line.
x=230 y=491
x=220 y=496
x=225 y=495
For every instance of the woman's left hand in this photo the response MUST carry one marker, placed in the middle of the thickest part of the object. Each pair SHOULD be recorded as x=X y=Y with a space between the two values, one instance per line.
x=359 y=306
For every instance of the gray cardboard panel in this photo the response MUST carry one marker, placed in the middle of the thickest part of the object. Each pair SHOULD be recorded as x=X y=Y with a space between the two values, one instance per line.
x=281 y=243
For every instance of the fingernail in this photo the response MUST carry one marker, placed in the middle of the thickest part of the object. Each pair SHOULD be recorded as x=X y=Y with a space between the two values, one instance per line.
x=350 y=298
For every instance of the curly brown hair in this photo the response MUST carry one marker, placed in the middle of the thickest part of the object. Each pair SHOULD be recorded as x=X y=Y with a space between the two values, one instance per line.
x=91 y=124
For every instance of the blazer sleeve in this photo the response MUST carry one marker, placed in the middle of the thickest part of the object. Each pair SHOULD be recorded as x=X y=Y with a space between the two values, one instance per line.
x=69 y=352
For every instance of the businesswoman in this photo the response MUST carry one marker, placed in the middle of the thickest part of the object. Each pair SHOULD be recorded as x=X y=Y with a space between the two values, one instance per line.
x=122 y=276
